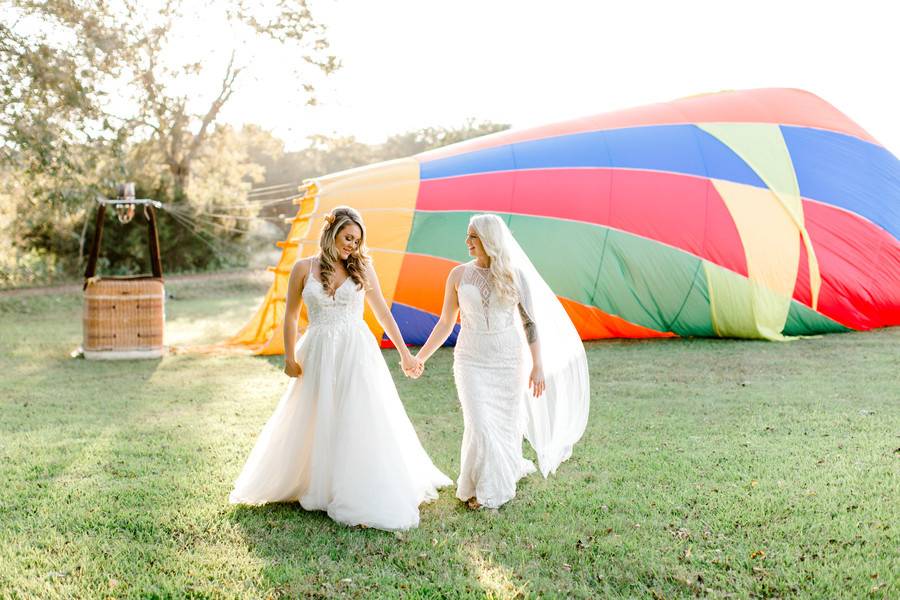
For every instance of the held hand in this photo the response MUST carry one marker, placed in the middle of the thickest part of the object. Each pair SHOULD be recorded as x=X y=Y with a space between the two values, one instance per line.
x=412 y=366
x=419 y=368
x=292 y=368
x=536 y=381
x=406 y=363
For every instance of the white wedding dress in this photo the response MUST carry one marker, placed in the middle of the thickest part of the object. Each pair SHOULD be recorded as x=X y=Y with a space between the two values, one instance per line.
x=490 y=368
x=339 y=439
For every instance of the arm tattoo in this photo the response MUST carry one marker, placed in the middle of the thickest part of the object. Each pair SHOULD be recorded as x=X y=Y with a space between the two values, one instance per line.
x=528 y=325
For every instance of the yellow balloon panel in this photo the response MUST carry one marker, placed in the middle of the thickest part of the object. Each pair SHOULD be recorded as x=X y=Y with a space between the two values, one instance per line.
x=385 y=195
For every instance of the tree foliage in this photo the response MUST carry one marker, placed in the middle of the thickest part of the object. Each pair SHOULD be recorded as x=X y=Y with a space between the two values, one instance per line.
x=91 y=90
x=180 y=131
x=55 y=59
x=95 y=93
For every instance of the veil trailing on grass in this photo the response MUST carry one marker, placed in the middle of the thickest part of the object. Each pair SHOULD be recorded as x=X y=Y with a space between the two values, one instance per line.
x=557 y=419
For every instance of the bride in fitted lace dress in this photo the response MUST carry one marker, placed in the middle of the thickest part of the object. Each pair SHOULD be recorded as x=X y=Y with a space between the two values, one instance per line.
x=339 y=439
x=519 y=366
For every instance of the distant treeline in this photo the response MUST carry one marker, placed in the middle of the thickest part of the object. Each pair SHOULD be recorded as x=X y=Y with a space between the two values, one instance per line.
x=215 y=222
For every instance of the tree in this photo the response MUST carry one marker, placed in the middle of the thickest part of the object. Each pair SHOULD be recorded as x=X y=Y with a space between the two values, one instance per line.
x=180 y=132
x=86 y=87
x=55 y=58
x=211 y=230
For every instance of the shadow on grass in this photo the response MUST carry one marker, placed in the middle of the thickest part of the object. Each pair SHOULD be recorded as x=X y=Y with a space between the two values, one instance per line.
x=92 y=476
x=306 y=554
x=120 y=472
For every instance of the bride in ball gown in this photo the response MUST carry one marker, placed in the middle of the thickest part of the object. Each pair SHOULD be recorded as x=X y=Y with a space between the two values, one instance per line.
x=340 y=440
x=519 y=366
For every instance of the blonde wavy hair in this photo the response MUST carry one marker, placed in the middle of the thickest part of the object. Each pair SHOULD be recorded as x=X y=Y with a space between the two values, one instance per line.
x=357 y=262
x=491 y=231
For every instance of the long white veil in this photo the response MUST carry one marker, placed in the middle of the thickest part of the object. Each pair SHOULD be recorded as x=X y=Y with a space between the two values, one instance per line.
x=557 y=419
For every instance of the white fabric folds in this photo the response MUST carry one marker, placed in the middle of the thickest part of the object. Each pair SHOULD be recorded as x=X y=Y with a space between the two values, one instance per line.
x=557 y=419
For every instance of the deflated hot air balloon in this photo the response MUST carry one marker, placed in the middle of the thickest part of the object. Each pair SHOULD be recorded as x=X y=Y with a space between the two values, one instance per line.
x=751 y=214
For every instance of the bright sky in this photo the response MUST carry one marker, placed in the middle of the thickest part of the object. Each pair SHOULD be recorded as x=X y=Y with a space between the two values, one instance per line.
x=410 y=64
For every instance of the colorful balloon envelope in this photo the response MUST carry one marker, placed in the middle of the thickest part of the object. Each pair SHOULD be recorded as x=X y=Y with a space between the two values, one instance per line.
x=757 y=214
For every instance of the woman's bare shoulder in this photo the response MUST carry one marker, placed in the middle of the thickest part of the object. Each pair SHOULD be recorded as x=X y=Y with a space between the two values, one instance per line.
x=456 y=274
x=302 y=267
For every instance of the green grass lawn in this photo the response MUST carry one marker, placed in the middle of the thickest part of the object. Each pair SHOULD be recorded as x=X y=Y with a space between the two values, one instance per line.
x=709 y=467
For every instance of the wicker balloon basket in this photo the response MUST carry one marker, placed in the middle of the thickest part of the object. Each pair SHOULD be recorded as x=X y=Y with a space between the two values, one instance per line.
x=124 y=317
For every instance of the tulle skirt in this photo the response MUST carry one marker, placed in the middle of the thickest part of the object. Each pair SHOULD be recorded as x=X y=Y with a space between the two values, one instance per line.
x=340 y=440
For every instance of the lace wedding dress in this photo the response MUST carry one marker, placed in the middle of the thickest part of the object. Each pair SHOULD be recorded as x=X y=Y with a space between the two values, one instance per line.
x=490 y=368
x=339 y=439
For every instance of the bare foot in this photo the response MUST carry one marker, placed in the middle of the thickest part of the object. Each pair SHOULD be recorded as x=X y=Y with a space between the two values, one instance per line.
x=473 y=503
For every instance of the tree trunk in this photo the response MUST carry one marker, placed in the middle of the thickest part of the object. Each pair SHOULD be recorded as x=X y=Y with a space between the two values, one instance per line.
x=180 y=172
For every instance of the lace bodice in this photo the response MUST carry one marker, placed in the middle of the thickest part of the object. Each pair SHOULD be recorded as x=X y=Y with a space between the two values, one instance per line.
x=481 y=309
x=346 y=306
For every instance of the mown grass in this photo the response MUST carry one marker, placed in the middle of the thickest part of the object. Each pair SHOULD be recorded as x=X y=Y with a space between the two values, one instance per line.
x=709 y=467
